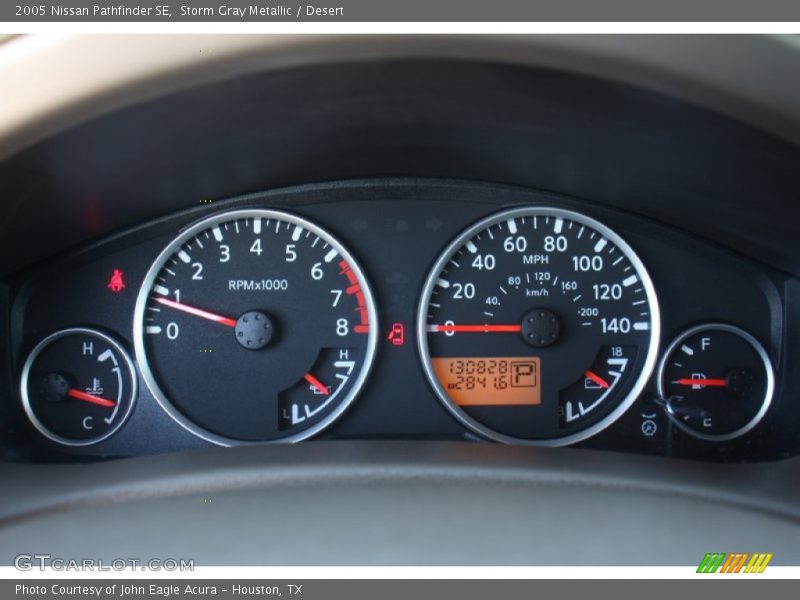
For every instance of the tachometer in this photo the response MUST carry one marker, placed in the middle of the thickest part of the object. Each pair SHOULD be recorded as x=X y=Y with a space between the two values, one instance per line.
x=538 y=325
x=255 y=326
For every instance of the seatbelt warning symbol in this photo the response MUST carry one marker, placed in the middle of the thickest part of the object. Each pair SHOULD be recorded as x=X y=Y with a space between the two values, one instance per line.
x=116 y=283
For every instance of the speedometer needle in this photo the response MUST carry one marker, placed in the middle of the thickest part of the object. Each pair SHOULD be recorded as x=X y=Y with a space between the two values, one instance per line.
x=197 y=312
x=91 y=398
x=475 y=328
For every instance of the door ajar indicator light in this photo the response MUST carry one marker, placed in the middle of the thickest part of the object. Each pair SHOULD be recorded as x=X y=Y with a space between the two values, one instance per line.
x=397 y=334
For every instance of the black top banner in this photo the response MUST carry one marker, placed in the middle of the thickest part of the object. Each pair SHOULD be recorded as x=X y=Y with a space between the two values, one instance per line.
x=255 y=11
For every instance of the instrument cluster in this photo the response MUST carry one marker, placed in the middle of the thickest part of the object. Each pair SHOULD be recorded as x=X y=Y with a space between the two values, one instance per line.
x=402 y=310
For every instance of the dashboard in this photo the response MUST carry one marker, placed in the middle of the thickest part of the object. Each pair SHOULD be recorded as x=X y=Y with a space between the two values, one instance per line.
x=404 y=309
x=398 y=280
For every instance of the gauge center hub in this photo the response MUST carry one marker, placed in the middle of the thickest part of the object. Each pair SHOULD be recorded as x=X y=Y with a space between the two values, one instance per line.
x=54 y=387
x=254 y=330
x=540 y=327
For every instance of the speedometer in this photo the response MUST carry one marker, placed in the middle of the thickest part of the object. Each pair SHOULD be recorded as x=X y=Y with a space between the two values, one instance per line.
x=255 y=326
x=538 y=325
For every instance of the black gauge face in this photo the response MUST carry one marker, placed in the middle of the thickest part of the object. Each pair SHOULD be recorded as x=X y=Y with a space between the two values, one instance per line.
x=78 y=386
x=255 y=326
x=717 y=382
x=538 y=325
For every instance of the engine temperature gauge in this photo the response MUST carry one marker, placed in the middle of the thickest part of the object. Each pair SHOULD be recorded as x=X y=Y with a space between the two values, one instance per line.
x=78 y=386
x=716 y=381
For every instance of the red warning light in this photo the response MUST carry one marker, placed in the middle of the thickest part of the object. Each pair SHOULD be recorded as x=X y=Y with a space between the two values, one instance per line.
x=116 y=284
x=397 y=335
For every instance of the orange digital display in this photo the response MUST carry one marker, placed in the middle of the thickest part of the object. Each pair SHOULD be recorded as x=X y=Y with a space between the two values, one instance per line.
x=494 y=381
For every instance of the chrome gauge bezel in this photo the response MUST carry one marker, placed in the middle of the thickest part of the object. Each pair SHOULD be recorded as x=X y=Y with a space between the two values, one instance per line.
x=146 y=287
x=26 y=400
x=524 y=211
x=762 y=353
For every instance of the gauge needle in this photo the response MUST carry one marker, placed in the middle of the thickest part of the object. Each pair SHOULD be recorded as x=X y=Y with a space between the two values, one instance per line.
x=597 y=379
x=79 y=395
x=197 y=312
x=703 y=382
x=475 y=328
x=316 y=383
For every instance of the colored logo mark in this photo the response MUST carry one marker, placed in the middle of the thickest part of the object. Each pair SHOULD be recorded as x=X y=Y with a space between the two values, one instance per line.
x=737 y=562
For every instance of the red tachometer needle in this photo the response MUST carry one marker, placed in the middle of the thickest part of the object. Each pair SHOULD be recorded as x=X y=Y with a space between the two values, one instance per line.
x=197 y=312
x=475 y=328
x=597 y=379
x=79 y=395
x=703 y=382
x=316 y=383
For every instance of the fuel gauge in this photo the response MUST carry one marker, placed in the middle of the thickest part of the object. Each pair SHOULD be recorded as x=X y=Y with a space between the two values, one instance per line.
x=78 y=386
x=716 y=382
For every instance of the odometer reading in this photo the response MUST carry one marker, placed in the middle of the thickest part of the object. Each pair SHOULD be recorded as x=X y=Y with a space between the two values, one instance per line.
x=538 y=325
x=255 y=326
x=487 y=381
